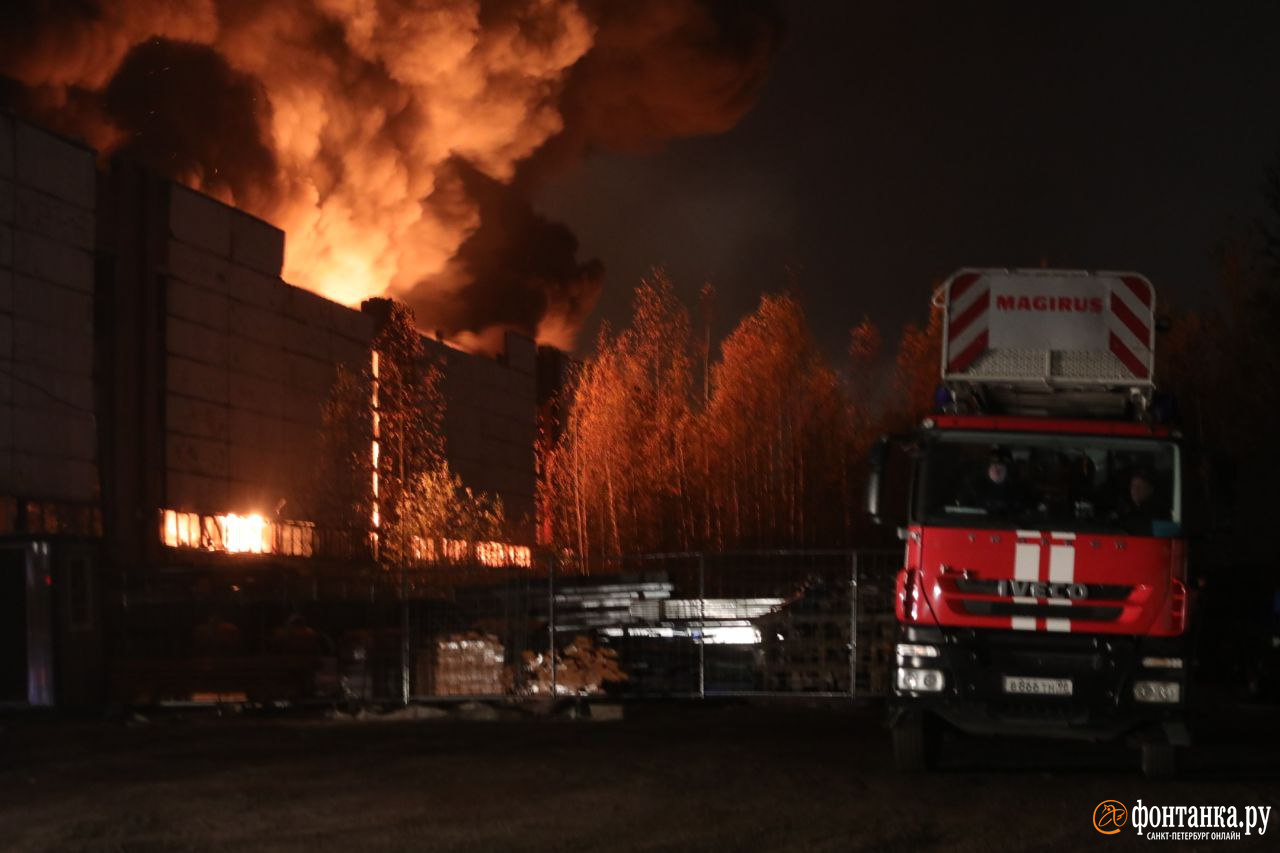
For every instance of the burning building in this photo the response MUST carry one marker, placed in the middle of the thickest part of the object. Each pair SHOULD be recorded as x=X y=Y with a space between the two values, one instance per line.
x=161 y=383
x=161 y=397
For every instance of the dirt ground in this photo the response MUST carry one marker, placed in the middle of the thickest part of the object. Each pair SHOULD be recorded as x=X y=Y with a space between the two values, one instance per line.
x=668 y=777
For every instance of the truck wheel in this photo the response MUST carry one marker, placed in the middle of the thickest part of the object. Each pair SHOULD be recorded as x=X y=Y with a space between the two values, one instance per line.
x=1159 y=760
x=914 y=743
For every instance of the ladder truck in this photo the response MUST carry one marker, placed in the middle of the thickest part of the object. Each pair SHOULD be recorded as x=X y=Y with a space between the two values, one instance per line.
x=1043 y=590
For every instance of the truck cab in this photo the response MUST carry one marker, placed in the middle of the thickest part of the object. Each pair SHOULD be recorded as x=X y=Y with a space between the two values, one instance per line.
x=1043 y=590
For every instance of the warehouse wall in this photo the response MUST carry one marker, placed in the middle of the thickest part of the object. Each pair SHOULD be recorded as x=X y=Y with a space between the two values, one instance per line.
x=212 y=372
x=250 y=363
x=47 y=425
x=491 y=423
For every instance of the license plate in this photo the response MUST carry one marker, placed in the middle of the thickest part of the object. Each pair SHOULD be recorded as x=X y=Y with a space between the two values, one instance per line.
x=1037 y=686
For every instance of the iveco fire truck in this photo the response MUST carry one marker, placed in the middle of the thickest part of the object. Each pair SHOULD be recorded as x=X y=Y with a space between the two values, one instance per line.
x=1043 y=590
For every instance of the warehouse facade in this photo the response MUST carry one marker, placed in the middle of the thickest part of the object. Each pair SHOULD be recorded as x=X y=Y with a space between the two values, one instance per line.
x=161 y=397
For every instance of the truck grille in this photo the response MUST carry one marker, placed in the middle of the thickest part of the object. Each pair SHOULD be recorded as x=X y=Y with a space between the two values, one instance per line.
x=1097 y=591
x=1085 y=612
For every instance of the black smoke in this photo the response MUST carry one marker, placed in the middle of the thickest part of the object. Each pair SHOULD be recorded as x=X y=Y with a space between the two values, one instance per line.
x=188 y=114
x=519 y=267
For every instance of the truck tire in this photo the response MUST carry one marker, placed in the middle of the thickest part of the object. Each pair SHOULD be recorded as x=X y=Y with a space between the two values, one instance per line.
x=1159 y=760
x=914 y=743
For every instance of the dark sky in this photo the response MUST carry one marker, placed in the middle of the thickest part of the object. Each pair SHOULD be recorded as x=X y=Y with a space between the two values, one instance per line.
x=895 y=142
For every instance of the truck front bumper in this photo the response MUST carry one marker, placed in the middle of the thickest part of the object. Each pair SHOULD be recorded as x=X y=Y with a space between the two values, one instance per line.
x=1117 y=685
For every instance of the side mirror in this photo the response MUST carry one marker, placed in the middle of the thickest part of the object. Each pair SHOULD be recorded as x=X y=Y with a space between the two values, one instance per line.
x=875 y=477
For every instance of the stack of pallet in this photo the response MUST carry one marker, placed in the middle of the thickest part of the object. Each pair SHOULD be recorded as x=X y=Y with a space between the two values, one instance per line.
x=469 y=664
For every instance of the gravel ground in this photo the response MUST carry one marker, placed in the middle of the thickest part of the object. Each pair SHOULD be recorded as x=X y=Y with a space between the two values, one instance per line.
x=668 y=777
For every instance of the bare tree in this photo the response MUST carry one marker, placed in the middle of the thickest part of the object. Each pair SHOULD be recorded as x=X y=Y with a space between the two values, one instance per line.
x=653 y=456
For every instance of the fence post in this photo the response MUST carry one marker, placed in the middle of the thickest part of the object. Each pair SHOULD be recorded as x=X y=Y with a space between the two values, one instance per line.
x=853 y=624
x=551 y=619
x=404 y=637
x=702 y=624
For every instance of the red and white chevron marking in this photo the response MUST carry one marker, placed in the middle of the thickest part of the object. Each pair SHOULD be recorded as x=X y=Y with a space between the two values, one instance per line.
x=1128 y=324
x=969 y=320
x=1125 y=309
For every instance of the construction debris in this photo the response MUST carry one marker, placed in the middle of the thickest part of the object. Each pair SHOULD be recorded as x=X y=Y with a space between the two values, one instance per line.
x=581 y=670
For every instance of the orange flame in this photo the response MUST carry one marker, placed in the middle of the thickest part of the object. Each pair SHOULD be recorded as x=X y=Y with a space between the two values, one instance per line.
x=362 y=127
x=377 y=135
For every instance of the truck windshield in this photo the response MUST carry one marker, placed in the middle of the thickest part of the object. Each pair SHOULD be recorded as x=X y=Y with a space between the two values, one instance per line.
x=1088 y=483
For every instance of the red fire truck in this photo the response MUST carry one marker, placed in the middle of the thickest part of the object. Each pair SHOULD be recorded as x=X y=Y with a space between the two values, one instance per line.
x=1043 y=590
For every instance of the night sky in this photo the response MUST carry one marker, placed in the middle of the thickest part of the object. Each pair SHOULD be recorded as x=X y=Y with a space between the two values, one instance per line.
x=894 y=143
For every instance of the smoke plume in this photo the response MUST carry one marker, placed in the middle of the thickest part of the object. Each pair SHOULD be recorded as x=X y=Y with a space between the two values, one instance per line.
x=395 y=141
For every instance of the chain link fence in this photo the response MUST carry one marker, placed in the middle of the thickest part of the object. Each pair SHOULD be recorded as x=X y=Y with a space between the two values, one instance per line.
x=768 y=623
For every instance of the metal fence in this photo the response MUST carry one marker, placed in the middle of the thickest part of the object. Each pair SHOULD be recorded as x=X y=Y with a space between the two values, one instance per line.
x=778 y=623
x=775 y=623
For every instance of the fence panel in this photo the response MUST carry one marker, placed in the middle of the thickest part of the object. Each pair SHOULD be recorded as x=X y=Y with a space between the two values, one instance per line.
x=875 y=620
x=815 y=623
x=477 y=632
x=778 y=623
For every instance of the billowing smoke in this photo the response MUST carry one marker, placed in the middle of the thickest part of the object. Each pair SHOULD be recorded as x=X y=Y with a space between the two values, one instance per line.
x=396 y=141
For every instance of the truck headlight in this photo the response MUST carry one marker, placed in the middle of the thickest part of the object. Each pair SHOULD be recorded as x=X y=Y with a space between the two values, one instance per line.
x=1162 y=663
x=1168 y=692
x=916 y=650
x=921 y=680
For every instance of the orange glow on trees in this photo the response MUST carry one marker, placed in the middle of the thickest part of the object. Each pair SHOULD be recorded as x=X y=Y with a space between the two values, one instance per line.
x=651 y=460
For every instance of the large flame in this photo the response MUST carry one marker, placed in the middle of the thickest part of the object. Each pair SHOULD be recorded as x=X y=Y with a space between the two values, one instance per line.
x=363 y=129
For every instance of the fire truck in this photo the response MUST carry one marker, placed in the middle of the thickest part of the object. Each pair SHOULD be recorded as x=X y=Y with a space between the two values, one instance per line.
x=1043 y=590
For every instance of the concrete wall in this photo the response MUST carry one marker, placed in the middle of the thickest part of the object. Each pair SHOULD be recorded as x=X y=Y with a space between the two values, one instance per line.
x=215 y=371
x=250 y=363
x=48 y=442
x=491 y=423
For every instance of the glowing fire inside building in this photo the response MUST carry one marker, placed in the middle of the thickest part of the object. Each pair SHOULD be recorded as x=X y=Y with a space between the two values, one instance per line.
x=252 y=533
x=229 y=533
x=236 y=534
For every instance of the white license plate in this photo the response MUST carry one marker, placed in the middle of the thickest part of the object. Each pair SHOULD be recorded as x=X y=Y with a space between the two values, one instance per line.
x=1037 y=686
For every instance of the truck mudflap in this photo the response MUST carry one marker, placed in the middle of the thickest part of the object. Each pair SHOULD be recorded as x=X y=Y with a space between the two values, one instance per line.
x=1095 y=687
